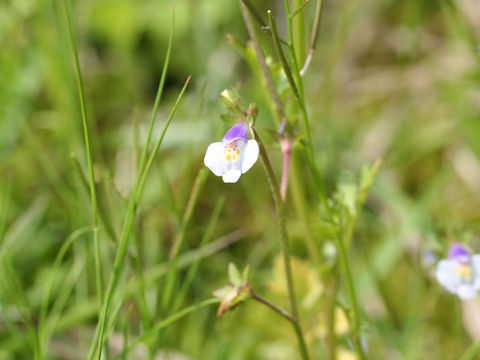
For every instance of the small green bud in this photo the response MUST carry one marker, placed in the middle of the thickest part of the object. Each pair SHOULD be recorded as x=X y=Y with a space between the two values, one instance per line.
x=238 y=291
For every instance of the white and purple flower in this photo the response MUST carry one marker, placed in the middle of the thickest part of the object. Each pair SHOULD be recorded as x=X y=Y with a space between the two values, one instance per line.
x=460 y=273
x=233 y=156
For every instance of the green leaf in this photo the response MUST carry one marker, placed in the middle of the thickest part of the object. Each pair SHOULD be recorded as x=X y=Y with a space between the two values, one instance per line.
x=347 y=191
x=366 y=180
x=234 y=275
x=231 y=99
x=223 y=292
x=245 y=274
x=244 y=293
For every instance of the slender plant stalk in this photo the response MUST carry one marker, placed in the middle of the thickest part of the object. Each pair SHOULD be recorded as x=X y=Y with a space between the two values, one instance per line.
x=299 y=9
x=91 y=174
x=297 y=191
x=170 y=320
x=330 y=308
x=299 y=30
x=280 y=212
x=472 y=352
x=302 y=209
x=187 y=216
x=313 y=41
x=286 y=145
x=4 y=207
x=137 y=264
x=256 y=15
x=254 y=12
x=180 y=238
x=135 y=258
x=83 y=180
x=49 y=286
x=154 y=152
x=273 y=306
x=173 y=305
x=155 y=273
x=88 y=308
x=296 y=51
x=11 y=288
x=281 y=55
x=261 y=60
x=181 y=295
x=136 y=136
x=353 y=298
x=126 y=231
x=301 y=103
x=343 y=241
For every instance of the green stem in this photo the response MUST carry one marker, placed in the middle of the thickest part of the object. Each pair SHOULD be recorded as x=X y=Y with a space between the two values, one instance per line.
x=352 y=296
x=343 y=240
x=301 y=103
x=295 y=49
x=127 y=228
x=261 y=60
x=472 y=351
x=331 y=295
x=91 y=174
x=180 y=238
x=302 y=209
x=83 y=180
x=49 y=286
x=313 y=41
x=299 y=28
x=297 y=190
x=280 y=212
x=254 y=12
x=281 y=55
x=177 y=316
x=273 y=306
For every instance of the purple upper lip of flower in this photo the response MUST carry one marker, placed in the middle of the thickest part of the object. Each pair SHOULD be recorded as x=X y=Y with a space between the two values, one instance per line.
x=458 y=252
x=239 y=131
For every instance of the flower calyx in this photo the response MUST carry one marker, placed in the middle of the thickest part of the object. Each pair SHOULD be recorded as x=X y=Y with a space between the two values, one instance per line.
x=235 y=293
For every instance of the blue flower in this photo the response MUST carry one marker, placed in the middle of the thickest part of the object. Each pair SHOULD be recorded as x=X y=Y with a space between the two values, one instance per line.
x=460 y=273
x=233 y=156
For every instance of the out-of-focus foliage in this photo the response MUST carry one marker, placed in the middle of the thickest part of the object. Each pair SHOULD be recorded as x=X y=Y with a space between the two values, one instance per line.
x=396 y=79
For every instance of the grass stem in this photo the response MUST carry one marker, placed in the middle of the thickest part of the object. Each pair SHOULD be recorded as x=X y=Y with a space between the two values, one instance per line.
x=88 y=150
x=280 y=212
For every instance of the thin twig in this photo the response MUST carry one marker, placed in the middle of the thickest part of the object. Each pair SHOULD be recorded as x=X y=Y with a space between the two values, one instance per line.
x=280 y=212
x=281 y=55
x=265 y=27
x=286 y=145
x=88 y=150
x=313 y=41
x=352 y=296
x=273 y=306
x=127 y=228
x=255 y=14
x=296 y=12
x=263 y=65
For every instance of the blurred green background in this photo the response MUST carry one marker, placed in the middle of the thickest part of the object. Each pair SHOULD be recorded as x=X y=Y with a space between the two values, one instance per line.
x=396 y=79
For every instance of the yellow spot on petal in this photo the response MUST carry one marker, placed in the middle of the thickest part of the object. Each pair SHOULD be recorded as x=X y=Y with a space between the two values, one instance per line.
x=464 y=271
x=227 y=157
x=238 y=151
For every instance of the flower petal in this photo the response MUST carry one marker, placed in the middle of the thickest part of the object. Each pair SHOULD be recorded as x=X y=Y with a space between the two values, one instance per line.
x=476 y=263
x=447 y=276
x=459 y=252
x=239 y=131
x=466 y=291
x=250 y=155
x=231 y=176
x=214 y=159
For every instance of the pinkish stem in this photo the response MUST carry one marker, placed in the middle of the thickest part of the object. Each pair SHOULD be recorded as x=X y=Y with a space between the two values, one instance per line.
x=286 y=145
